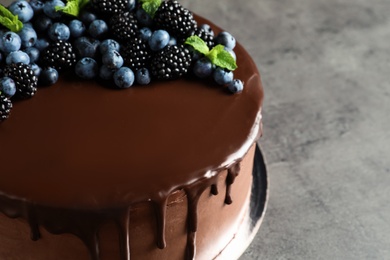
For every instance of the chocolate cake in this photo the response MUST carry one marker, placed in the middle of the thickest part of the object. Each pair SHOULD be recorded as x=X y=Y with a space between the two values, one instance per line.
x=162 y=171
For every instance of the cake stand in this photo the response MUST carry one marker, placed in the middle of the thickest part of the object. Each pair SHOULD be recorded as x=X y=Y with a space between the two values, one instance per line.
x=255 y=214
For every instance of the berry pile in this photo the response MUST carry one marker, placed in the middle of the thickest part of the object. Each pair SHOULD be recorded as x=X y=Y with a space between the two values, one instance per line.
x=124 y=41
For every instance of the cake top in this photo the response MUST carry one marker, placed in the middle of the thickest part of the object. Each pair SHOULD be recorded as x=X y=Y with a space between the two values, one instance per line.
x=93 y=145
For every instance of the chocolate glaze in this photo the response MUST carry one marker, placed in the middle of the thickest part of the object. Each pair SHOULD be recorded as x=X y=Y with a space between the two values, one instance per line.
x=78 y=155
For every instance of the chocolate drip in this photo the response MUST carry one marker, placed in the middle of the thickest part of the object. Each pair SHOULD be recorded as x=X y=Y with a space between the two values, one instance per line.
x=160 y=207
x=214 y=190
x=123 y=223
x=33 y=223
x=233 y=172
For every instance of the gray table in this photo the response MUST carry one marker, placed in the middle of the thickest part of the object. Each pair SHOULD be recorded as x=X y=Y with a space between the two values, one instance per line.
x=325 y=68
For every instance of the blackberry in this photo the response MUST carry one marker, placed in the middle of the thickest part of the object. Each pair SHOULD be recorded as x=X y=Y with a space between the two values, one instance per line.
x=206 y=37
x=171 y=63
x=136 y=54
x=109 y=6
x=5 y=107
x=174 y=18
x=124 y=26
x=59 y=55
x=24 y=77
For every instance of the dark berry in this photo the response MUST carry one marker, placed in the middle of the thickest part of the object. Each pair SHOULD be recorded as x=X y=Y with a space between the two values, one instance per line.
x=124 y=26
x=171 y=62
x=59 y=55
x=109 y=6
x=136 y=54
x=5 y=107
x=176 y=19
x=24 y=78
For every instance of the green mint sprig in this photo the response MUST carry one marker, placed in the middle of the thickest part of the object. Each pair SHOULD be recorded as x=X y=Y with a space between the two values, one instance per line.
x=10 y=20
x=151 y=6
x=217 y=55
x=72 y=7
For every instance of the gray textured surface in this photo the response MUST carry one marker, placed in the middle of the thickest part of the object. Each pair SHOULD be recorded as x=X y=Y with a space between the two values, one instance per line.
x=325 y=68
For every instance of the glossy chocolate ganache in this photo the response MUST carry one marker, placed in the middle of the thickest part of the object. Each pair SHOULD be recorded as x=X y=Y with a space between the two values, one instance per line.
x=79 y=155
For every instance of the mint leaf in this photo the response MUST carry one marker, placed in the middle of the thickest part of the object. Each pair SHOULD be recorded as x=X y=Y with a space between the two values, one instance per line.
x=151 y=6
x=198 y=44
x=10 y=20
x=72 y=7
x=222 y=58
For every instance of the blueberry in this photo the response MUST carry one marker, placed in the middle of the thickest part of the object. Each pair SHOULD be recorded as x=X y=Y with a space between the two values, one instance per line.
x=87 y=68
x=87 y=17
x=36 y=69
x=142 y=76
x=207 y=28
x=7 y=86
x=16 y=57
x=42 y=23
x=97 y=29
x=50 y=8
x=124 y=77
x=131 y=4
x=158 y=40
x=109 y=44
x=226 y=39
x=28 y=36
x=41 y=44
x=59 y=32
x=235 y=86
x=10 y=42
x=144 y=18
x=105 y=72
x=76 y=28
x=37 y=6
x=112 y=59
x=48 y=77
x=145 y=33
x=222 y=77
x=203 y=68
x=86 y=47
x=172 y=41
x=33 y=53
x=22 y=9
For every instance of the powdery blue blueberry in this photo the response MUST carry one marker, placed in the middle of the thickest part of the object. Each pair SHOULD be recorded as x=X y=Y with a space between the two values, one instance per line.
x=142 y=76
x=131 y=4
x=222 y=77
x=76 y=28
x=87 y=17
x=124 y=77
x=16 y=57
x=7 y=86
x=109 y=44
x=42 y=23
x=172 y=41
x=49 y=76
x=236 y=86
x=145 y=33
x=50 y=8
x=143 y=17
x=158 y=40
x=226 y=39
x=112 y=59
x=41 y=44
x=22 y=9
x=87 y=68
x=98 y=28
x=86 y=46
x=10 y=42
x=105 y=72
x=59 y=32
x=37 y=6
x=33 y=53
x=36 y=69
x=28 y=36
x=203 y=68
